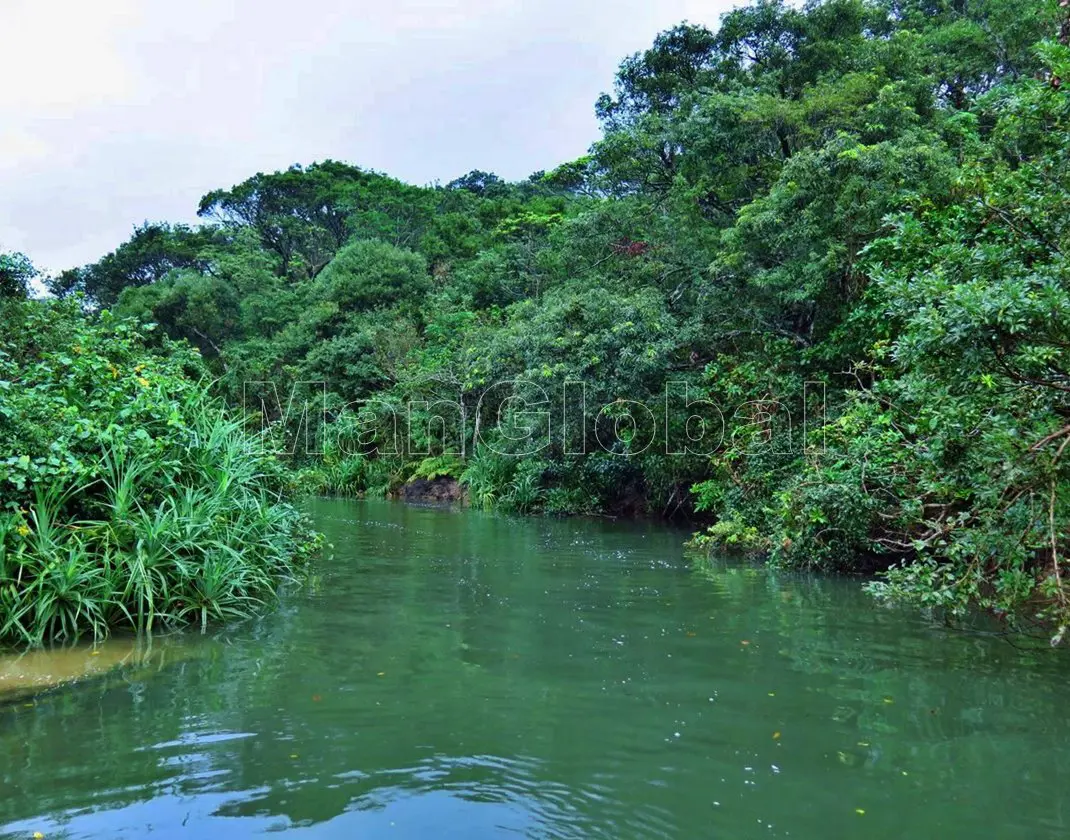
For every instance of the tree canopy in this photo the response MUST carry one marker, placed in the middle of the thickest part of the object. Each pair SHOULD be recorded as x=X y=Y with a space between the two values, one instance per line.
x=865 y=199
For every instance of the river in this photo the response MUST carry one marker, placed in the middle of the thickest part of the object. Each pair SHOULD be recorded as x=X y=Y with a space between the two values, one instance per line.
x=454 y=674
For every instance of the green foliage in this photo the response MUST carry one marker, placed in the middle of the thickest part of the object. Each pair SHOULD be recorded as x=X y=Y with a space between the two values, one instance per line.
x=480 y=183
x=860 y=195
x=487 y=475
x=440 y=466
x=383 y=476
x=370 y=274
x=944 y=460
x=525 y=492
x=131 y=499
x=345 y=477
x=16 y=272
x=729 y=534
x=200 y=308
x=154 y=250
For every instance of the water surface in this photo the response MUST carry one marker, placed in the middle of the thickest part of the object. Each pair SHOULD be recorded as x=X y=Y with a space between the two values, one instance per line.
x=454 y=674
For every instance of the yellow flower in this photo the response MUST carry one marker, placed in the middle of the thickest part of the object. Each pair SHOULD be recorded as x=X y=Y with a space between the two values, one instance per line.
x=139 y=368
x=79 y=349
x=143 y=382
x=114 y=371
x=23 y=530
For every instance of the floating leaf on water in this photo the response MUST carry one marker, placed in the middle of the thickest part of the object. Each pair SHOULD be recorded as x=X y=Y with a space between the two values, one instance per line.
x=860 y=811
x=776 y=736
x=381 y=674
x=888 y=700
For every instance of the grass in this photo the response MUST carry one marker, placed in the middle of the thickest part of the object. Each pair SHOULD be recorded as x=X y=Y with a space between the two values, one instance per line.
x=196 y=533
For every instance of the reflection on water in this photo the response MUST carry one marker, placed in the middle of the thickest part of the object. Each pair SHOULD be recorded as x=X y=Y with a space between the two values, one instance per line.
x=454 y=674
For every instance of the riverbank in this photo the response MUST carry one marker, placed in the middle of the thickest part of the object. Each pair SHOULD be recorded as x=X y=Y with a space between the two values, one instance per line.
x=28 y=674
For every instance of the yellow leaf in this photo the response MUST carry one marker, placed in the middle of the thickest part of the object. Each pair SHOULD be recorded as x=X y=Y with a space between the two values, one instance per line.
x=860 y=811
x=776 y=736
x=381 y=674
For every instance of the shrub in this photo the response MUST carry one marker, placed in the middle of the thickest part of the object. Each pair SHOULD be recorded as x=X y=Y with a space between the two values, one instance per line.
x=131 y=498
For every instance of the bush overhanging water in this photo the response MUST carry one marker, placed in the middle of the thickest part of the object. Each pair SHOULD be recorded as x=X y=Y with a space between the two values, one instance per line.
x=130 y=498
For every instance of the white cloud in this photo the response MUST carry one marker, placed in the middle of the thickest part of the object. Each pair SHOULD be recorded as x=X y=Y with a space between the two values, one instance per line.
x=126 y=110
x=63 y=56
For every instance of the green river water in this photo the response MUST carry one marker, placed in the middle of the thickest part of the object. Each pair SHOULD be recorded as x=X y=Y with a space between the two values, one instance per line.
x=453 y=674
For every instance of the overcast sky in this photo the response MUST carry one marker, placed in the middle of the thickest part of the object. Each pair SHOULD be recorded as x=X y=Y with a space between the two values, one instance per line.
x=117 y=111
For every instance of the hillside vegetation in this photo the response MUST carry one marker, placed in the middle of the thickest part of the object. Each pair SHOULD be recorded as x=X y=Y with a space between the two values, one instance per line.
x=842 y=228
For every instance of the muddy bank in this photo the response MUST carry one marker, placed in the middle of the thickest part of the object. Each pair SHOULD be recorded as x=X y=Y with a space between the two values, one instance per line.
x=439 y=490
x=24 y=674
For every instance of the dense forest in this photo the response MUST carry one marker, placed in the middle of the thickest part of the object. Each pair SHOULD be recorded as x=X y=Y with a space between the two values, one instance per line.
x=841 y=229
